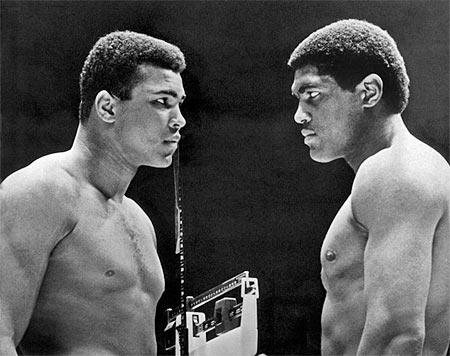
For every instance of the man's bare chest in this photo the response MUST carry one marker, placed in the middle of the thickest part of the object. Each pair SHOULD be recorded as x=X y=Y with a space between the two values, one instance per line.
x=342 y=253
x=109 y=250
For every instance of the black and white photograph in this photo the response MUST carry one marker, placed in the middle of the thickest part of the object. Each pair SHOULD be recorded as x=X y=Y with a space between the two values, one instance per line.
x=224 y=178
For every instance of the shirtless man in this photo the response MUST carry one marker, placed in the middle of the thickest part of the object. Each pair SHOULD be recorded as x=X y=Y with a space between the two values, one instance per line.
x=80 y=274
x=385 y=259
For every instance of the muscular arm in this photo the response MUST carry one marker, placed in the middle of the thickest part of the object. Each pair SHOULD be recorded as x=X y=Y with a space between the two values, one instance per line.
x=30 y=225
x=400 y=211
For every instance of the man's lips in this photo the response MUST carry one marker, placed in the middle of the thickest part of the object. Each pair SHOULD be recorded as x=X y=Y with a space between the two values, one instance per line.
x=175 y=139
x=307 y=132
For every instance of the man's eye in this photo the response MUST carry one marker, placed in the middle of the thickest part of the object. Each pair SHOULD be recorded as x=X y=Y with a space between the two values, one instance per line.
x=162 y=101
x=309 y=95
x=313 y=94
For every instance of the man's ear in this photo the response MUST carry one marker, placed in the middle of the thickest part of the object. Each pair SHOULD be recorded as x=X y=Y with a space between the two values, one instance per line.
x=371 y=89
x=106 y=106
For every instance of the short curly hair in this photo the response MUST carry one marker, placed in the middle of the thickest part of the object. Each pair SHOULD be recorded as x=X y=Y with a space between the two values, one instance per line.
x=349 y=50
x=113 y=61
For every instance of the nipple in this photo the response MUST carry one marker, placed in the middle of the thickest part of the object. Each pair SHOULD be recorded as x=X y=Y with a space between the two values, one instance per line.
x=330 y=255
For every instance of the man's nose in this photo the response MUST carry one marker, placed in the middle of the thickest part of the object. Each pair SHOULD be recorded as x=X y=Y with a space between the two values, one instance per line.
x=178 y=121
x=301 y=116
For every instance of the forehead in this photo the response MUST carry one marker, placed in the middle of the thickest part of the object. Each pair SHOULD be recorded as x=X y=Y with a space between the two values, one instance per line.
x=156 y=79
x=308 y=76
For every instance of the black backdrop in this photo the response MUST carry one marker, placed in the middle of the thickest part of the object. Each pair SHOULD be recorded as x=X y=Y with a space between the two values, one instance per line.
x=253 y=199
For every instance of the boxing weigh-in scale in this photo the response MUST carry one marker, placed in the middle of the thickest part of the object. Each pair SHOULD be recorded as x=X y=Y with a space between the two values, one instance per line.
x=219 y=322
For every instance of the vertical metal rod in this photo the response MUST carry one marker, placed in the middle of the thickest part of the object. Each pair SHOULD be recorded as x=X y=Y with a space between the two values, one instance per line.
x=182 y=328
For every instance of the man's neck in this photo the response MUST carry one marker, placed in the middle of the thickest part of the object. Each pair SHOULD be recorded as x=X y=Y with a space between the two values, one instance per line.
x=101 y=164
x=381 y=135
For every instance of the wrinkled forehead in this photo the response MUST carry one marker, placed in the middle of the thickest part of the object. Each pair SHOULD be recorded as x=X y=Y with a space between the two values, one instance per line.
x=308 y=76
x=156 y=79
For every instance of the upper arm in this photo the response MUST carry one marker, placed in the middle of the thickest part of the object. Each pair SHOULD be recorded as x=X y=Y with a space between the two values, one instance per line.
x=30 y=226
x=400 y=210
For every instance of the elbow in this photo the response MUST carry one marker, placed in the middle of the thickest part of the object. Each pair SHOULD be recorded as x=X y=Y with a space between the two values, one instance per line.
x=406 y=336
x=406 y=344
x=399 y=337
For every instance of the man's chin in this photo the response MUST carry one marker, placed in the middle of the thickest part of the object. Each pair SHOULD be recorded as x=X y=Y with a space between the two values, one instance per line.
x=161 y=163
x=315 y=156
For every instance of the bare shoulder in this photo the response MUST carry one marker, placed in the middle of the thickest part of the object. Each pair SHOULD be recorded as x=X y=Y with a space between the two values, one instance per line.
x=47 y=176
x=413 y=166
x=40 y=194
x=410 y=177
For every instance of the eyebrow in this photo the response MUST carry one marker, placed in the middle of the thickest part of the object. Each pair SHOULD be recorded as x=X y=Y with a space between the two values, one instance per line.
x=169 y=92
x=301 y=89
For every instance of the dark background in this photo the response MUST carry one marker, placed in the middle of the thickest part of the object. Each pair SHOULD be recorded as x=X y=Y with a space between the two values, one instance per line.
x=253 y=199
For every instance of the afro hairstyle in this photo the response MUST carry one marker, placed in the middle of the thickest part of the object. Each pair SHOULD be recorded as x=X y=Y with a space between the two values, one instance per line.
x=113 y=61
x=349 y=50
